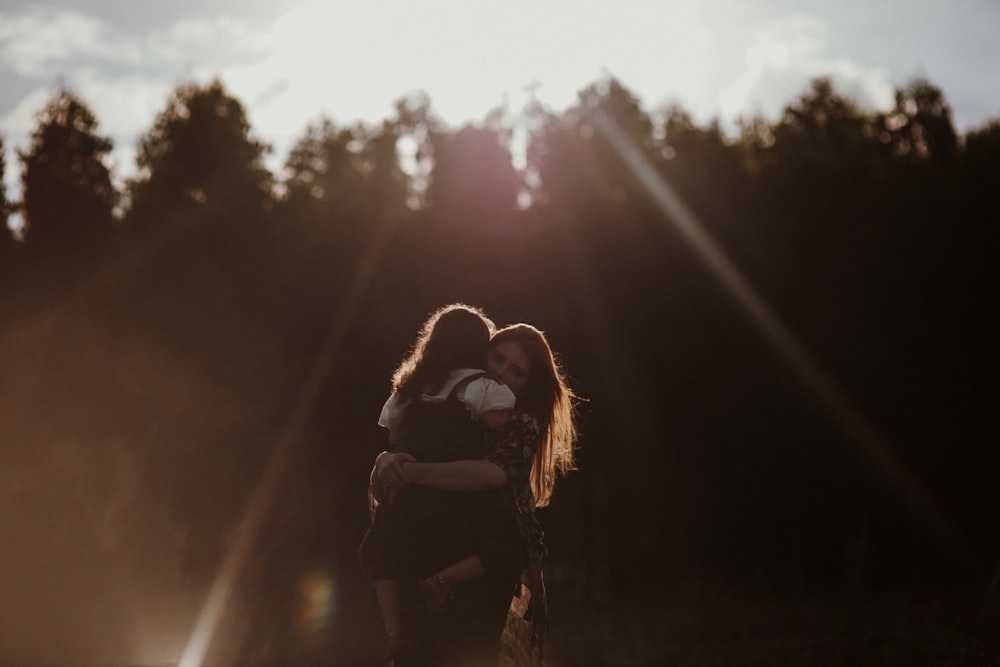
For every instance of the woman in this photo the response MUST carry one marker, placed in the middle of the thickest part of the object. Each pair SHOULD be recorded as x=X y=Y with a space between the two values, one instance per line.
x=522 y=464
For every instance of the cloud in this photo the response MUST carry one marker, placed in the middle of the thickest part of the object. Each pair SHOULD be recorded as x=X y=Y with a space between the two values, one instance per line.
x=37 y=42
x=205 y=45
x=40 y=43
x=124 y=78
x=784 y=57
x=20 y=121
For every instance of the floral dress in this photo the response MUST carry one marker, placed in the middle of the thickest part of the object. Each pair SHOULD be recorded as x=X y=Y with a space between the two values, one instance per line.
x=513 y=449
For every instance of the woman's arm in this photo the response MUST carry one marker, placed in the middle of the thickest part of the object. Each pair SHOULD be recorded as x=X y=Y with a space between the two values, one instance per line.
x=395 y=469
x=471 y=475
x=387 y=474
x=508 y=462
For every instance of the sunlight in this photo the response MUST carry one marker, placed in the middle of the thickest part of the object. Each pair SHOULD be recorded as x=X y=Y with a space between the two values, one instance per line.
x=470 y=59
x=263 y=496
x=812 y=375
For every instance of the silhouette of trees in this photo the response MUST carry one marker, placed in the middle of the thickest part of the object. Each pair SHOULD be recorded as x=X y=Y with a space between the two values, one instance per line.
x=8 y=245
x=474 y=185
x=340 y=184
x=322 y=204
x=67 y=194
x=203 y=197
x=920 y=127
x=5 y=206
x=200 y=160
x=325 y=175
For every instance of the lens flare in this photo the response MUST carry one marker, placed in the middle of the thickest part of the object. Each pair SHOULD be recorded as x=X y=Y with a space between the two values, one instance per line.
x=317 y=592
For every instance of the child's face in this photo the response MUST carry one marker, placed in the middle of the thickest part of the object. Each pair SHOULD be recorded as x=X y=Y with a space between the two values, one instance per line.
x=508 y=364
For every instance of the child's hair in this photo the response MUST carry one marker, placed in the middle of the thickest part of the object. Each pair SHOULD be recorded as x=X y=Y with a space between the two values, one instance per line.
x=454 y=336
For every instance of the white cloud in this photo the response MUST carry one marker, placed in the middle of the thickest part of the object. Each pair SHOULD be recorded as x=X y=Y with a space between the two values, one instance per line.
x=125 y=106
x=125 y=79
x=31 y=43
x=43 y=43
x=784 y=57
x=205 y=45
x=20 y=120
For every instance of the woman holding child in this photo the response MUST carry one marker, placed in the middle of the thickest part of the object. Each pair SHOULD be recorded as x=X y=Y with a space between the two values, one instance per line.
x=480 y=546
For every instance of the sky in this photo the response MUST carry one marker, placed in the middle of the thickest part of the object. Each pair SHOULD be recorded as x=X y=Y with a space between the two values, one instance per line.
x=292 y=62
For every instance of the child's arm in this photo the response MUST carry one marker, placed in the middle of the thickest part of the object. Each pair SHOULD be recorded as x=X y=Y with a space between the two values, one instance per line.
x=494 y=420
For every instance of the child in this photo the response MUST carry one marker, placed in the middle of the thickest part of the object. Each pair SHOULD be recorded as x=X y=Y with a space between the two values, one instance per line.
x=440 y=408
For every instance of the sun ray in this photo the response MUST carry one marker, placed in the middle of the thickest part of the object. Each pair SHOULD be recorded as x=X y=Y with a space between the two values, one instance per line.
x=264 y=494
x=809 y=371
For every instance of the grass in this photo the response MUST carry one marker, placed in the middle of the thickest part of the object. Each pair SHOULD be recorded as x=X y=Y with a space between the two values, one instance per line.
x=702 y=628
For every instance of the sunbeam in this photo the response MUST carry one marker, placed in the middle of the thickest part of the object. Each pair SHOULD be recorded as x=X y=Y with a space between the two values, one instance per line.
x=813 y=376
x=263 y=496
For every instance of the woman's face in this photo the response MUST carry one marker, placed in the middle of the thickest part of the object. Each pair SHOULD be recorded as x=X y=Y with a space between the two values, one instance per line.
x=508 y=364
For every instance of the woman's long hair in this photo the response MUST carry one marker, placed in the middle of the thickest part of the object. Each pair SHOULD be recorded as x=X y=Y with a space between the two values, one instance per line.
x=453 y=337
x=548 y=398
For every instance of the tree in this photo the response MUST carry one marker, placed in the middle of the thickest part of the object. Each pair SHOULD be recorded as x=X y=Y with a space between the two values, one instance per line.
x=200 y=162
x=701 y=164
x=325 y=174
x=823 y=139
x=342 y=181
x=8 y=245
x=201 y=205
x=5 y=206
x=578 y=169
x=920 y=128
x=68 y=196
x=322 y=199
x=321 y=222
x=978 y=175
x=407 y=136
x=474 y=184
x=818 y=183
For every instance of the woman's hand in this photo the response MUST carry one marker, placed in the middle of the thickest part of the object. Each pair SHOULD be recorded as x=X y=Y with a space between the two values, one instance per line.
x=388 y=476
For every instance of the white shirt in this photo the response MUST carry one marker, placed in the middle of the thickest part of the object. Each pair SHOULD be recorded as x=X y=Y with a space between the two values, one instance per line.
x=479 y=396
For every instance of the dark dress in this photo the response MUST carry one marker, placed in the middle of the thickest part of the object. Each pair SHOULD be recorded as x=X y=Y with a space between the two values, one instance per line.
x=508 y=539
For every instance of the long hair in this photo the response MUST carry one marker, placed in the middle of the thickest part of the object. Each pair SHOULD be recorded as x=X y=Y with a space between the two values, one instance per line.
x=548 y=398
x=454 y=336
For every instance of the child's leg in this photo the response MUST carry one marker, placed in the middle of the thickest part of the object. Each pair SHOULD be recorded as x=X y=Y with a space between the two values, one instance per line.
x=400 y=637
x=387 y=592
x=436 y=587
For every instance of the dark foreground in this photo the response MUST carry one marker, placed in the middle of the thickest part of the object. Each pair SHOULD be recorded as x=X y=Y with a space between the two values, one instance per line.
x=710 y=630
x=699 y=627
x=702 y=628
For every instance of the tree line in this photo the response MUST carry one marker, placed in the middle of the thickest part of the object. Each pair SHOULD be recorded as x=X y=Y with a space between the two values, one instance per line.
x=184 y=313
